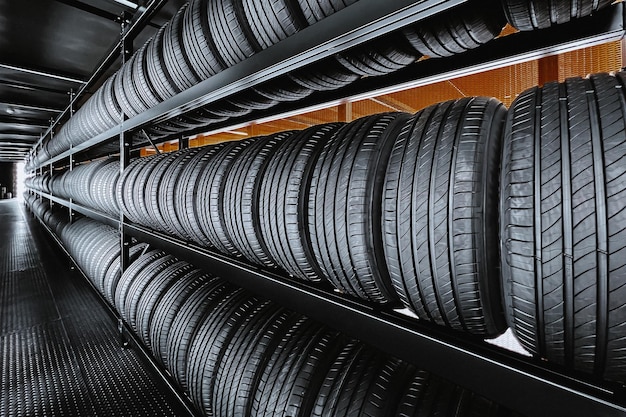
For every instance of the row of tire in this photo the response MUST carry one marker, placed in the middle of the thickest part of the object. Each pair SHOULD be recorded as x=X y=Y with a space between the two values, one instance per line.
x=237 y=355
x=404 y=207
x=207 y=36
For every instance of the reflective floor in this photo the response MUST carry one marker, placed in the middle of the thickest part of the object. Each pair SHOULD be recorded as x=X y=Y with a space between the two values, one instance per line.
x=59 y=351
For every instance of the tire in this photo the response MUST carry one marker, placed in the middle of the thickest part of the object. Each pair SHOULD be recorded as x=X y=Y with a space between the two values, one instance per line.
x=139 y=185
x=379 y=57
x=283 y=202
x=210 y=342
x=246 y=356
x=186 y=322
x=282 y=89
x=158 y=76
x=154 y=189
x=114 y=273
x=175 y=57
x=124 y=190
x=345 y=203
x=440 y=202
x=145 y=89
x=242 y=195
x=528 y=15
x=206 y=200
x=272 y=21
x=296 y=371
x=456 y=31
x=166 y=193
x=198 y=43
x=342 y=377
x=127 y=278
x=428 y=395
x=138 y=287
x=323 y=76
x=228 y=33
x=167 y=308
x=316 y=10
x=563 y=217
x=184 y=195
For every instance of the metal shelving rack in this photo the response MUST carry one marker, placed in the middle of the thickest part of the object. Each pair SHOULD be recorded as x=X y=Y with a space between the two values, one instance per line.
x=528 y=386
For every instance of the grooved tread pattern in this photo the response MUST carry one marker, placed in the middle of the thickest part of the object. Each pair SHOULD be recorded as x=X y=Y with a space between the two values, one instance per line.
x=439 y=202
x=563 y=223
x=540 y=14
x=59 y=353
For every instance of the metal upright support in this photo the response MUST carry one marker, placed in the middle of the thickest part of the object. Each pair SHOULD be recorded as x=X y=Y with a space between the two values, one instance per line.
x=183 y=142
x=71 y=167
x=126 y=45
x=158 y=151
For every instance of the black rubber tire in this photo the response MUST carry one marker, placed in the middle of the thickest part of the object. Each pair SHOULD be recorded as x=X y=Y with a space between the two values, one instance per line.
x=158 y=76
x=145 y=89
x=282 y=89
x=440 y=203
x=113 y=274
x=152 y=294
x=348 y=367
x=379 y=57
x=138 y=187
x=167 y=309
x=458 y=30
x=175 y=56
x=271 y=21
x=540 y=14
x=210 y=342
x=296 y=371
x=249 y=100
x=138 y=286
x=185 y=195
x=283 y=202
x=563 y=223
x=166 y=194
x=345 y=204
x=246 y=356
x=323 y=76
x=188 y=318
x=198 y=43
x=228 y=33
x=125 y=188
x=429 y=395
x=206 y=200
x=316 y=10
x=154 y=191
x=127 y=279
x=242 y=195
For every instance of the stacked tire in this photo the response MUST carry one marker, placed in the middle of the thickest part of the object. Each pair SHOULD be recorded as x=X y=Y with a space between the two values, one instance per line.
x=400 y=210
x=563 y=217
x=236 y=354
x=207 y=36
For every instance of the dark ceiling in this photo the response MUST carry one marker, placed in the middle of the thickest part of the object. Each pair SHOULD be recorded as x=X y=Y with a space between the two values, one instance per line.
x=49 y=48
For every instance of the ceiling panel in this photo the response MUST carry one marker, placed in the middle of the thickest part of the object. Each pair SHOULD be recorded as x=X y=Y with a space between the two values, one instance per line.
x=49 y=47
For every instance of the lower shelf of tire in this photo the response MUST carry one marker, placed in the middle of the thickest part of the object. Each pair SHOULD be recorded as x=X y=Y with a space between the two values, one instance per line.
x=234 y=353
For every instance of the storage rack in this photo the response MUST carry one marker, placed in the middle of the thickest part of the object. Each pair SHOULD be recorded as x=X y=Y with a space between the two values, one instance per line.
x=530 y=387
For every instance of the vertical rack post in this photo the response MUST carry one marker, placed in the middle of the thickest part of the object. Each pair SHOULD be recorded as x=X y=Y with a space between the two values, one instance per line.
x=126 y=45
x=183 y=142
x=71 y=162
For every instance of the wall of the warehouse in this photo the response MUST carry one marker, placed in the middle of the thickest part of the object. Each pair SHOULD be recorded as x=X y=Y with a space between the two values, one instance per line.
x=7 y=178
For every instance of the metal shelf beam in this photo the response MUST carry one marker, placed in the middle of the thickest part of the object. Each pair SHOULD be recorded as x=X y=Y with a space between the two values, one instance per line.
x=349 y=27
x=302 y=48
x=530 y=387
